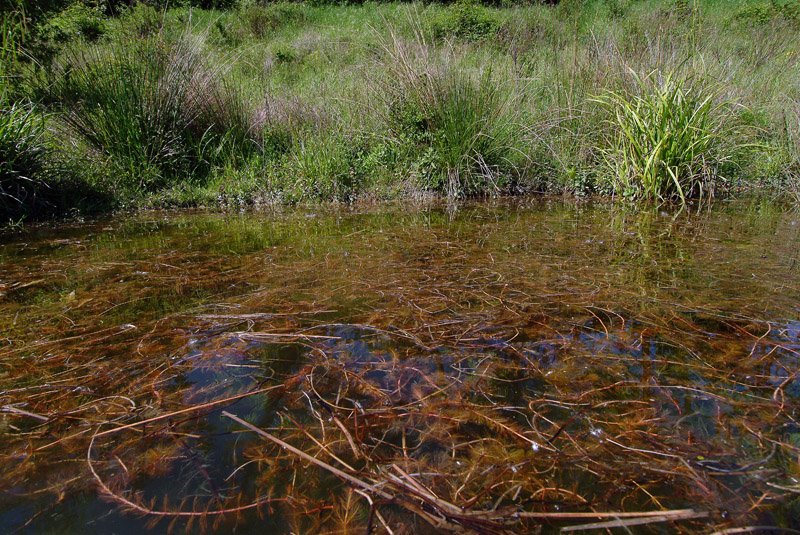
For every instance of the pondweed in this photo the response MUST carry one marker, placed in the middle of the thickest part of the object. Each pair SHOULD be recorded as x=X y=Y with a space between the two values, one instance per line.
x=663 y=139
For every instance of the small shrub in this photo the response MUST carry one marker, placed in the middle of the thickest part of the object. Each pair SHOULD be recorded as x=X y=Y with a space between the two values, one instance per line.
x=765 y=12
x=144 y=21
x=663 y=140
x=284 y=53
x=616 y=8
x=78 y=20
x=468 y=20
x=264 y=20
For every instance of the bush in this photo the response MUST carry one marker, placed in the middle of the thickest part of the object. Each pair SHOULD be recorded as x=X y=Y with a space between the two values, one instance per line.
x=466 y=19
x=264 y=20
x=663 y=141
x=78 y=20
x=764 y=12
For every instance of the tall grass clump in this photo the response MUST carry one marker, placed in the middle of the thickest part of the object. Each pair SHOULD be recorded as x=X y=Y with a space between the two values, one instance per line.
x=22 y=131
x=663 y=139
x=22 y=161
x=462 y=120
x=792 y=149
x=154 y=110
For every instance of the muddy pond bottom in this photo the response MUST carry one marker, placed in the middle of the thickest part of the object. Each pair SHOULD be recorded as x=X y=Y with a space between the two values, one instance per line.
x=506 y=367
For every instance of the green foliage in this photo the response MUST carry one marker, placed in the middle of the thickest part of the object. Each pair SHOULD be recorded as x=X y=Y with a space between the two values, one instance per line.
x=263 y=20
x=466 y=19
x=617 y=8
x=155 y=109
x=791 y=150
x=284 y=53
x=22 y=160
x=321 y=168
x=142 y=21
x=462 y=123
x=12 y=35
x=663 y=141
x=77 y=21
x=764 y=12
x=150 y=112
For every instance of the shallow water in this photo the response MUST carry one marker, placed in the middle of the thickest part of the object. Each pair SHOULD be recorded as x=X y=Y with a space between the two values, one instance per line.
x=506 y=358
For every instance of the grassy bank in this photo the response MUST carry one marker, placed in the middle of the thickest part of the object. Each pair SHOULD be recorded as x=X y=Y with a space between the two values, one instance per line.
x=291 y=102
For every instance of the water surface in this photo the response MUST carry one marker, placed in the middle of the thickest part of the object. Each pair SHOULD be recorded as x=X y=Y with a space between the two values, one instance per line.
x=507 y=359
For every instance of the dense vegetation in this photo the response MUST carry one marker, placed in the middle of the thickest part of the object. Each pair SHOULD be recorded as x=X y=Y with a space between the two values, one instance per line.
x=105 y=105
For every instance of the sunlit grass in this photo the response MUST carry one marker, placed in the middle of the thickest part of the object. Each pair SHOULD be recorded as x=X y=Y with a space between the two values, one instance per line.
x=190 y=96
x=155 y=108
x=663 y=140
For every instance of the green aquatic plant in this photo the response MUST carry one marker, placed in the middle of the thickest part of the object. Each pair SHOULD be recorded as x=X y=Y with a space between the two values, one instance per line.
x=662 y=139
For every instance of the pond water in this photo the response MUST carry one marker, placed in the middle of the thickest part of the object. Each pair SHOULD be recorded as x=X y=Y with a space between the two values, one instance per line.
x=515 y=366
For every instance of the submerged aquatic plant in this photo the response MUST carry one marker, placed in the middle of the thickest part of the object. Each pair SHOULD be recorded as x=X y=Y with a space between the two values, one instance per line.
x=443 y=377
x=663 y=139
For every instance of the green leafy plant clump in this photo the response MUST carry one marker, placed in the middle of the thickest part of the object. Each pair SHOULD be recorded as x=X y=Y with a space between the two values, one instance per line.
x=663 y=140
x=262 y=20
x=466 y=19
x=765 y=12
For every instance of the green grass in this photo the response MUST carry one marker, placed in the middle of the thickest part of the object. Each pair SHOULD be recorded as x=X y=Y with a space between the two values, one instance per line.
x=312 y=101
x=664 y=139
x=22 y=161
x=154 y=109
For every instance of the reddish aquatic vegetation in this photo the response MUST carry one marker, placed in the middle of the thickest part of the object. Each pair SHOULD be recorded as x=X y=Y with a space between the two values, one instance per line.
x=500 y=369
